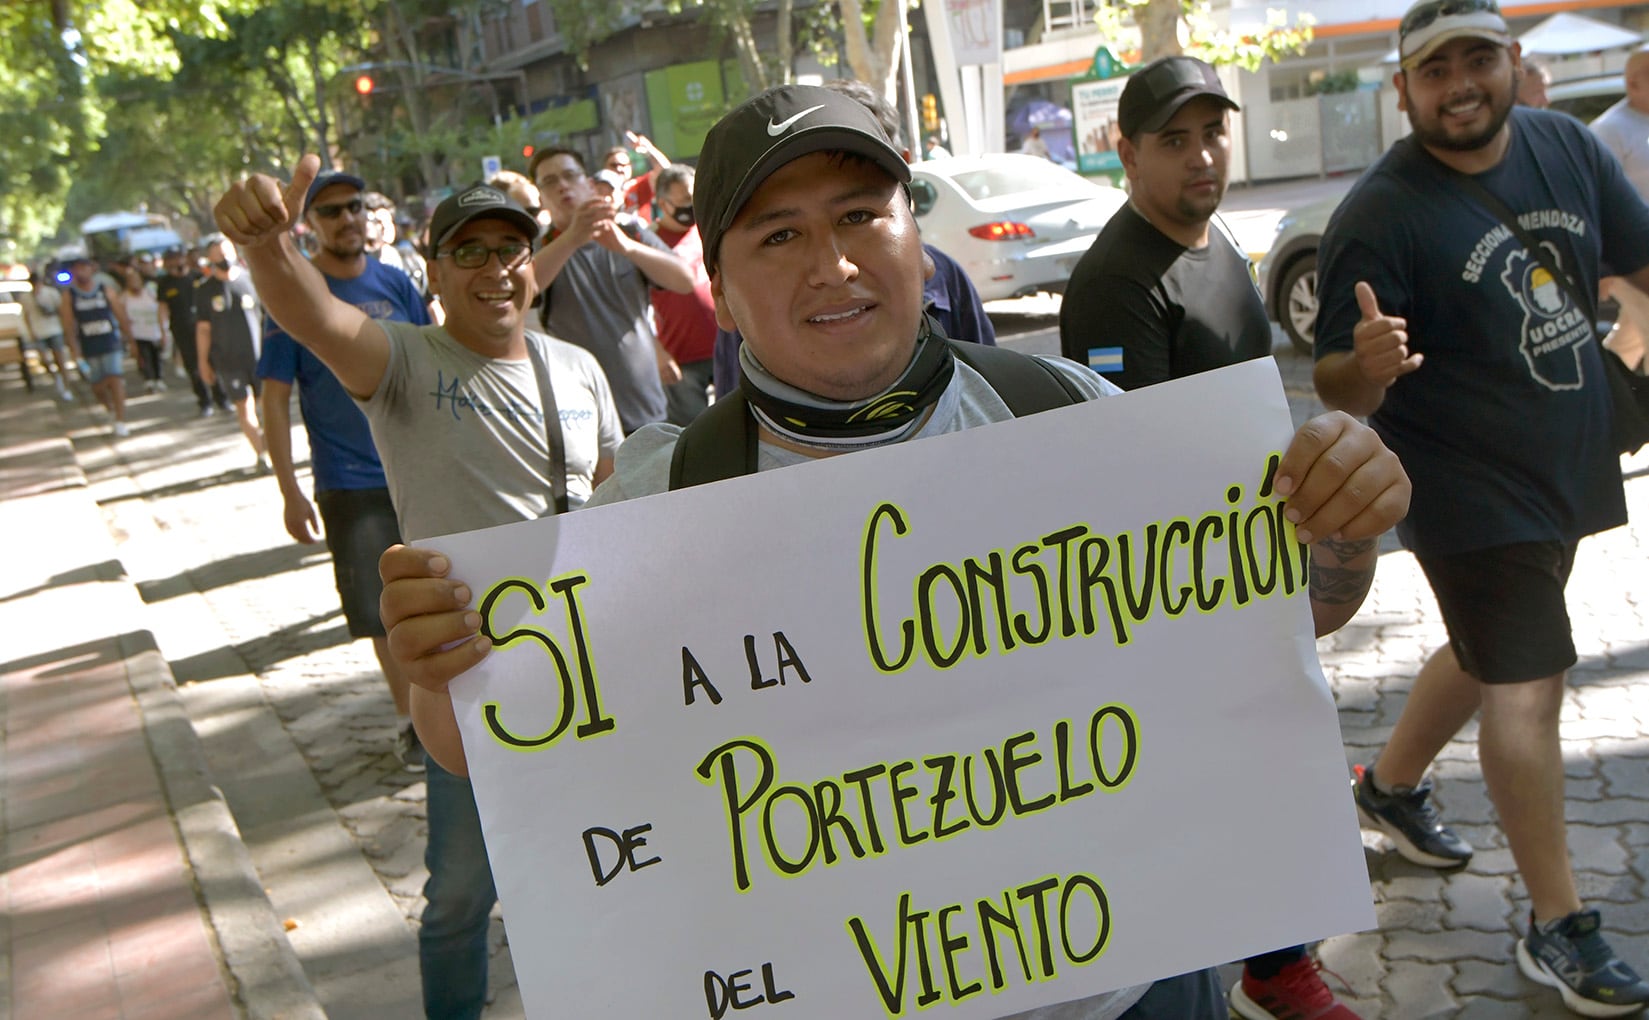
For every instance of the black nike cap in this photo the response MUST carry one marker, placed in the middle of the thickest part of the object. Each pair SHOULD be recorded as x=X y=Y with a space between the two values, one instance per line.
x=770 y=130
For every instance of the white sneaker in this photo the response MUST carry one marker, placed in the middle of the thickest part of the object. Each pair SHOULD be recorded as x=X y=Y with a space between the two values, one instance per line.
x=120 y=430
x=160 y=385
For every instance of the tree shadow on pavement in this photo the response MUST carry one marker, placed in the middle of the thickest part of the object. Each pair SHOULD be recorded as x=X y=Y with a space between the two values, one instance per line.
x=263 y=563
x=289 y=642
x=108 y=570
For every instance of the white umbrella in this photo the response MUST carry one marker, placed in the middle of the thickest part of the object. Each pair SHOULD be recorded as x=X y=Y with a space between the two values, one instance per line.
x=1563 y=34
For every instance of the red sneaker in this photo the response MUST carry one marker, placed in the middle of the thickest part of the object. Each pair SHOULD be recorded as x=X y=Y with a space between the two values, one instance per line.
x=1297 y=992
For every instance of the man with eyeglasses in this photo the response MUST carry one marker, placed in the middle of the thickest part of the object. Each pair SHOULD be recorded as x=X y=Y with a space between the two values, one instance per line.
x=596 y=279
x=639 y=192
x=1477 y=366
x=356 y=516
x=479 y=422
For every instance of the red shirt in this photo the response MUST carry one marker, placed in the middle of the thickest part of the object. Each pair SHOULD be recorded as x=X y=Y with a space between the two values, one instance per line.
x=686 y=322
x=638 y=195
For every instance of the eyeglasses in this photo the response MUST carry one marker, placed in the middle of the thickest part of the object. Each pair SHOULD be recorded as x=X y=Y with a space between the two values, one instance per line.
x=332 y=210
x=619 y=164
x=567 y=177
x=1424 y=15
x=473 y=256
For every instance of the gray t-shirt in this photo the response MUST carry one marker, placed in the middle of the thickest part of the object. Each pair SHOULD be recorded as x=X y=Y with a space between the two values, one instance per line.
x=643 y=469
x=599 y=301
x=1626 y=133
x=462 y=435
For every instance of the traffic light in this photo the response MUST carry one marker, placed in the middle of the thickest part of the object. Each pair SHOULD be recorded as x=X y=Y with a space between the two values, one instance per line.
x=526 y=152
x=363 y=85
x=930 y=112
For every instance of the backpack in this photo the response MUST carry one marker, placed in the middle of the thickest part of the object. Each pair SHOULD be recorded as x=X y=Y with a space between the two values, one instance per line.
x=721 y=442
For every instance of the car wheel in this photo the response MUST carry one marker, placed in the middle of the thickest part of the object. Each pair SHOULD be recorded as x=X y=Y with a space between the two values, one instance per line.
x=1299 y=302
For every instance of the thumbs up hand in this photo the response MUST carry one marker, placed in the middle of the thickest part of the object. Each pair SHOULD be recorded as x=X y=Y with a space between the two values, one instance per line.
x=260 y=209
x=1381 y=342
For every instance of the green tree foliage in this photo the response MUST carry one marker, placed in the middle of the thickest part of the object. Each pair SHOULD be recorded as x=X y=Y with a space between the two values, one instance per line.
x=122 y=103
x=65 y=67
x=1160 y=28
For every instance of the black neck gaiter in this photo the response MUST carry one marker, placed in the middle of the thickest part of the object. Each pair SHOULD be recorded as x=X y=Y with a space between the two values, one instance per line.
x=912 y=394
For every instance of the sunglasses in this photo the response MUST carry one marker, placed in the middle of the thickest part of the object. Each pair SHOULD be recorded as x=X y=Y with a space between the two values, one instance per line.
x=332 y=210
x=569 y=177
x=1426 y=14
x=473 y=256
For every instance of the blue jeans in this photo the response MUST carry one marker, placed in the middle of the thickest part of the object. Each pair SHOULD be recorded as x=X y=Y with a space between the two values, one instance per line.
x=452 y=944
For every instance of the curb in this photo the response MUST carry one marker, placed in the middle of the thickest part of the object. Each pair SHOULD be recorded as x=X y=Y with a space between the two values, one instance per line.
x=268 y=981
x=260 y=968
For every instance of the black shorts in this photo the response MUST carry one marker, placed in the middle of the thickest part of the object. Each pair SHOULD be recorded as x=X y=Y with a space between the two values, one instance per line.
x=1504 y=609
x=360 y=524
x=237 y=372
x=237 y=383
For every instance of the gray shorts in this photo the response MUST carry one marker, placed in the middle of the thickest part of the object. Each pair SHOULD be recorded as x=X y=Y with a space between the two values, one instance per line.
x=52 y=343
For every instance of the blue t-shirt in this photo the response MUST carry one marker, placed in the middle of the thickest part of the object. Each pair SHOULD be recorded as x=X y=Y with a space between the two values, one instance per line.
x=1504 y=429
x=340 y=444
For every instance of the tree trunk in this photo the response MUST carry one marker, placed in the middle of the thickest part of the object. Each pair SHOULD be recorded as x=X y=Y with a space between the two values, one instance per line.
x=402 y=43
x=787 y=42
x=1158 y=24
x=750 y=57
x=874 y=58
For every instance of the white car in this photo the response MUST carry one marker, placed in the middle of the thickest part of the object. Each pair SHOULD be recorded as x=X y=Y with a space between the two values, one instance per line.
x=1017 y=224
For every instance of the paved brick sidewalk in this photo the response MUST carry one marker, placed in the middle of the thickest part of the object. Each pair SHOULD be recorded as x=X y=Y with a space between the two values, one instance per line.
x=115 y=846
x=298 y=727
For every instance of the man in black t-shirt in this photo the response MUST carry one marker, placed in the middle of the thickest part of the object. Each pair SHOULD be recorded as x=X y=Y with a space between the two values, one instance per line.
x=176 y=289
x=1482 y=373
x=228 y=337
x=1162 y=295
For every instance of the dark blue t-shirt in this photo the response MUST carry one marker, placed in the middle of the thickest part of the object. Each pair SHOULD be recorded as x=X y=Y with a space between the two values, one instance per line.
x=340 y=444
x=1504 y=429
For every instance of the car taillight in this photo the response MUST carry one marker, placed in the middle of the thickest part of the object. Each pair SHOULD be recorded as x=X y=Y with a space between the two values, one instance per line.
x=1005 y=230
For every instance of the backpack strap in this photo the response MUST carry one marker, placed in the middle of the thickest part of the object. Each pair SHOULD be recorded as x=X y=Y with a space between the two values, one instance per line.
x=721 y=442
x=1027 y=385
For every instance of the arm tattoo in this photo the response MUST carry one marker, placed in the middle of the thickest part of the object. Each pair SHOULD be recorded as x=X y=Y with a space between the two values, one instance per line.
x=1341 y=572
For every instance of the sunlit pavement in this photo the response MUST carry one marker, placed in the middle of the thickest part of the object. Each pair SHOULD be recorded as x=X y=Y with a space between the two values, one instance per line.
x=293 y=726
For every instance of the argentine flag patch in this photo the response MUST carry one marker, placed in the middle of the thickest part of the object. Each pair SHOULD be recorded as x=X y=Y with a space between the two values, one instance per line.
x=1105 y=359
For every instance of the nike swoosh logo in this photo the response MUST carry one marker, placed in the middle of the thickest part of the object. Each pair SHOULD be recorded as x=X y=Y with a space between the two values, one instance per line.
x=775 y=130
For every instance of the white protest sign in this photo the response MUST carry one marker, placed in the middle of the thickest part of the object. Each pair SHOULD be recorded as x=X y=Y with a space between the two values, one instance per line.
x=988 y=721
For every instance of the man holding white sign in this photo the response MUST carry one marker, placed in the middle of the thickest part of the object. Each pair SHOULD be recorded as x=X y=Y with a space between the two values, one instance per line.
x=814 y=256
